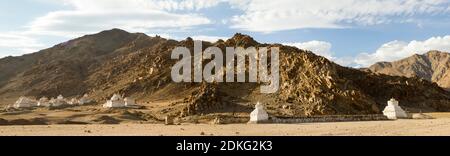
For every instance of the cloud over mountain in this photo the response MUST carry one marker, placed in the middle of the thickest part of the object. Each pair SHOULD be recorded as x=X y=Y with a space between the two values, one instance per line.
x=396 y=50
x=318 y=47
x=132 y=15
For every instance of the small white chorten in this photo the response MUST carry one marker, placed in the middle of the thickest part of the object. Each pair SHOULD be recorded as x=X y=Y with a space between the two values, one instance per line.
x=129 y=101
x=394 y=111
x=259 y=115
x=85 y=100
x=74 y=101
x=115 y=101
x=43 y=102
x=59 y=101
x=24 y=102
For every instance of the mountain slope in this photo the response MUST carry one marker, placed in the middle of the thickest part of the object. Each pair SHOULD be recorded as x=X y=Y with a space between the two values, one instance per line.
x=64 y=68
x=433 y=66
x=137 y=65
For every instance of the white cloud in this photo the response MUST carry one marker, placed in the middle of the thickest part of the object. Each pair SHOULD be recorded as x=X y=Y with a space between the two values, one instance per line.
x=323 y=48
x=186 y=4
x=75 y=23
x=16 y=44
x=80 y=17
x=167 y=5
x=391 y=51
x=347 y=61
x=318 y=47
x=88 y=16
x=396 y=50
x=269 y=16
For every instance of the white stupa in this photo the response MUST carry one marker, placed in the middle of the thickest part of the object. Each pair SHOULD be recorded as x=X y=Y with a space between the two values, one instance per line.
x=394 y=111
x=115 y=101
x=59 y=101
x=85 y=100
x=130 y=101
x=74 y=101
x=43 y=102
x=24 y=102
x=259 y=115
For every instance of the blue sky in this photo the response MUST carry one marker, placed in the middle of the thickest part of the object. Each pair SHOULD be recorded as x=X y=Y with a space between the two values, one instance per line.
x=350 y=32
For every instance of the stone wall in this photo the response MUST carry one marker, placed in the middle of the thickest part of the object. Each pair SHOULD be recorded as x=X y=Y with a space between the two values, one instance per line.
x=329 y=118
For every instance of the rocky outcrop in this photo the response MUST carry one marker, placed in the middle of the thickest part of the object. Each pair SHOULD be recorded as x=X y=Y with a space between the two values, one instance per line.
x=207 y=99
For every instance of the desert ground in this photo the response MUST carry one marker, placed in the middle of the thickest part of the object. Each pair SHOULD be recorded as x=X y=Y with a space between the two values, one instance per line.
x=440 y=126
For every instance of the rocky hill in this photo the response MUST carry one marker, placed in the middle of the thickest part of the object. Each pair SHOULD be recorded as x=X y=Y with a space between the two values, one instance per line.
x=433 y=66
x=137 y=65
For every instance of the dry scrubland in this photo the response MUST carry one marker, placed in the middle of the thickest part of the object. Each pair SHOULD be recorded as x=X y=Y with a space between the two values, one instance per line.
x=408 y=127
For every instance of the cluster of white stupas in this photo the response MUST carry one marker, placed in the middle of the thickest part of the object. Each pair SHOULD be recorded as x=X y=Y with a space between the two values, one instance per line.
x=24 y=102
x=117 y=101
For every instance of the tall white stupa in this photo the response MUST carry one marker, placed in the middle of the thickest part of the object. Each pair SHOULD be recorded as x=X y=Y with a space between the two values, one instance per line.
x=394 y=111
x=259 y=115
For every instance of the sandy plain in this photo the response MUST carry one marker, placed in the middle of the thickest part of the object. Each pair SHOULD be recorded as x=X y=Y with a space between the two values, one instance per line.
x=440 y=126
